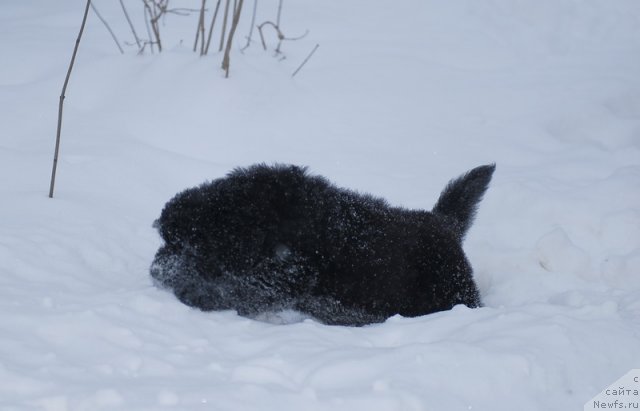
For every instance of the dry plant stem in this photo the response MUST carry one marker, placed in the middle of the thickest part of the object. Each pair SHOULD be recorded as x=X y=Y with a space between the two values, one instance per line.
x=253 y=23
x=305 y=60
x=156 y=10
x=147 y=17
x=115 y=39
x=275 y=26
x=62 y=96
x=180 y=11
x=156 y=31
x=224 y=24
x=200 y=30
x=133 y=30
x=232 y=32
x=213 y=21
x=281 y=36
x=154 y=15
x=279 y=13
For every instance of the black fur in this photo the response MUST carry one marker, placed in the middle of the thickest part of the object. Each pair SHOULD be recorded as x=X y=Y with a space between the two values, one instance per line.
x=267 y=238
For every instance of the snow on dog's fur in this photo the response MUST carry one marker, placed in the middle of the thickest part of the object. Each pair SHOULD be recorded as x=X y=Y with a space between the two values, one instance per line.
x=270 y=238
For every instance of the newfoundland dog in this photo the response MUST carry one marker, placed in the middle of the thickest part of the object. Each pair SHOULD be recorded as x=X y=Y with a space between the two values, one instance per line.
x=271 y=238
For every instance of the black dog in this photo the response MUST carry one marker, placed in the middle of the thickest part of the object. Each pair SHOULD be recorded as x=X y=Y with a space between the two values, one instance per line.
x=265 y=239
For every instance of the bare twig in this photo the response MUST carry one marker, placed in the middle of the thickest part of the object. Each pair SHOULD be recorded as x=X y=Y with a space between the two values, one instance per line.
x=253 y=23
x=155 y=11
x=158 y=9
x=281 y=36
x=305 y=60
x=224 y=25
x=275 y=26
x=232 y=31
x=156 y=15
x=133 y=30
x=115 y=39
x=61 y=103
x=180 y=11
x=200 y=30
x=279 y=13
x=147 y=18
x=213 y=21
x=300 y=37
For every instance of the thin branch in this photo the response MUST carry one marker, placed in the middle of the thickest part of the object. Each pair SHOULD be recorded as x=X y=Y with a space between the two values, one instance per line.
x=200 y=30
x=133 y=30
x=275 y=26
x=300 y=37
x=213 y=21
x=180 y=11
x=154 y=16
x=156 y=10
x=224 y=25
x=232 y=31
x=281 y=36
x=253 y=23
x=305 y=60
x=279 y=13
x=147 y=18
x=115 y=39
x=61 y=103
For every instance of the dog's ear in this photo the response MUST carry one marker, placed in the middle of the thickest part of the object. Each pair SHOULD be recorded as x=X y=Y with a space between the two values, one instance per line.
x=459 y=200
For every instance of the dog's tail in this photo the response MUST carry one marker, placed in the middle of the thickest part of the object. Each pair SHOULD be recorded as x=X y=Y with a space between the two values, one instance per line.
x=459 y=200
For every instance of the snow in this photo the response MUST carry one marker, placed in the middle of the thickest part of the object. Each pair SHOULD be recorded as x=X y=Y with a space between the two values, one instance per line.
x=398 y=99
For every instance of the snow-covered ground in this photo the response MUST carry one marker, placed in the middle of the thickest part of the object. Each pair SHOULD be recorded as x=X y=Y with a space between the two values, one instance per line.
x=399 y=98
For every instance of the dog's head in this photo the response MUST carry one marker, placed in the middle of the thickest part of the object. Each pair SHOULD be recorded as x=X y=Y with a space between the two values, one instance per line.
x=230 y=236
x=214 y=235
